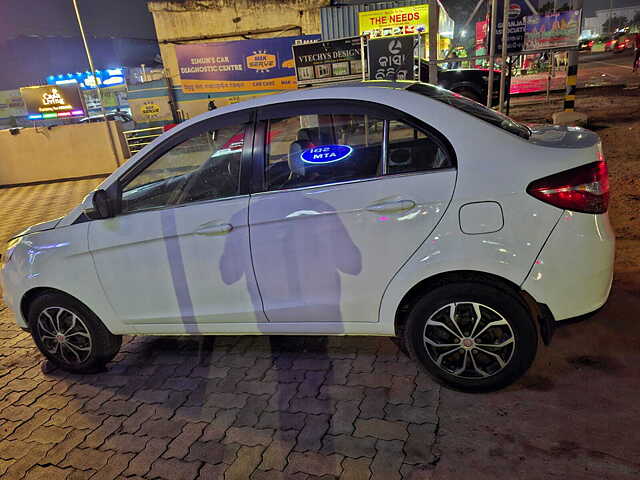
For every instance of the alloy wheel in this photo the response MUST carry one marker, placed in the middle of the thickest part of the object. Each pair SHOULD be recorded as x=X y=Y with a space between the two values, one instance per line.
x=469 y=340
x=64 y=335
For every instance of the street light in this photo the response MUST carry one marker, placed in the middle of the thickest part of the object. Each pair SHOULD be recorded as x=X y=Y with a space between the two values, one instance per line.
x=86 y=48
x=95 y=80
x=610 y=15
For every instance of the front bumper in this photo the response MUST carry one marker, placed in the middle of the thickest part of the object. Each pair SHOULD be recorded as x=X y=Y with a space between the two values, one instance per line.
x=573 y=273
x=6 y=293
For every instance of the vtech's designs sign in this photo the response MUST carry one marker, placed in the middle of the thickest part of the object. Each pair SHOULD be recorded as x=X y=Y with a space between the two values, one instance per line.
x=326 y=154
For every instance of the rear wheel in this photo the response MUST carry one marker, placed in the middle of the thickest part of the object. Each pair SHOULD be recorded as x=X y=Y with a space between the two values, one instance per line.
x=70 y=335
x=472 y=337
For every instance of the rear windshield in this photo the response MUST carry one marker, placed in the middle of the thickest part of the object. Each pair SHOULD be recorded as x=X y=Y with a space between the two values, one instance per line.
x=472 y=108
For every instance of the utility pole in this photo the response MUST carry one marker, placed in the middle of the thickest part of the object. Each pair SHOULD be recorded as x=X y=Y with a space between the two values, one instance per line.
x=503 y=67
x=434 y=15
x=569 y=116
x=610 y=17
x=95 y=80
x=492 y=50
x=572 y=70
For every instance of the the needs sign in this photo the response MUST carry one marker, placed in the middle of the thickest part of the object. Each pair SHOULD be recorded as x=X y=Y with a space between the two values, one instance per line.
x=394 y=21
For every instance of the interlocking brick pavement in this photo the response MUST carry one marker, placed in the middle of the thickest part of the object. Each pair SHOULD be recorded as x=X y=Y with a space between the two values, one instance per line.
x=209 y=408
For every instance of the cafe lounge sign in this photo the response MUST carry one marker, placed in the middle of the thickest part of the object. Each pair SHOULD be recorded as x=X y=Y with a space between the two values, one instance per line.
x=52 y=101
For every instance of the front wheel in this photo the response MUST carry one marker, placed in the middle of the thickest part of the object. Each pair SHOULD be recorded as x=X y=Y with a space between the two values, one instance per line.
x=70 y=335
x=472 y=337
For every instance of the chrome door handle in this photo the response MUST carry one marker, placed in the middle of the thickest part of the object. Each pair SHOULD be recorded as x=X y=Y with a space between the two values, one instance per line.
x=218 y=229
x=398 y=206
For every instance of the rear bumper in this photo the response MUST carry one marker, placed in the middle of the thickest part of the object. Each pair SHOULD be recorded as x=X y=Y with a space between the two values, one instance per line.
x=573 y=273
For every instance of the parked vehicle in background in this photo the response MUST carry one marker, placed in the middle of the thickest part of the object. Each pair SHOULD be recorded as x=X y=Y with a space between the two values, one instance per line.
x=124 y=118
x=624 y=41
x=472 y=83
x=586 y=45
x=359 y=209
x=609 y=43
x=468 y=82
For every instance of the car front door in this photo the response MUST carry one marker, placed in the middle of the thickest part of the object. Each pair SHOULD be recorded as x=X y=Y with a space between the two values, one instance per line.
x=349 y=192
x=171 y=260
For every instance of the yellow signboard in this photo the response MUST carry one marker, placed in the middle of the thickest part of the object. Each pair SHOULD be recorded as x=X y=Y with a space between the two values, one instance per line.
x=11 y=104
x=394 y=21
x=150 y=109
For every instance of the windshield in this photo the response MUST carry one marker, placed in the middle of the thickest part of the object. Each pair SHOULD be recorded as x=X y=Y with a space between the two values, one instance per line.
x=472 y=108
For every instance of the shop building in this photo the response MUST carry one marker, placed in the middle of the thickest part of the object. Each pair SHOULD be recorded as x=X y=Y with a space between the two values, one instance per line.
x=181 y=23
x=250 y=36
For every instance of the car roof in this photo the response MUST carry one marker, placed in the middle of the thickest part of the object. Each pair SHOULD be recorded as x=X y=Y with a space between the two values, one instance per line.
x=347 y=89
x=313 y=93
x=397 y=84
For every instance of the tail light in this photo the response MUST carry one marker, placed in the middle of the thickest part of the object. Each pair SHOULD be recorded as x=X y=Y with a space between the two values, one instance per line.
x=583 y=189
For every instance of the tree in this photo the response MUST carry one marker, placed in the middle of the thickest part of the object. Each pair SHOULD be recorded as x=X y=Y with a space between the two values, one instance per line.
x=636 y=18
x=614 y=23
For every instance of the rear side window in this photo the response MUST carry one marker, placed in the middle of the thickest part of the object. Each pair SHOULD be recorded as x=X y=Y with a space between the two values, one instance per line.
x=316 y=149
x=413 y=150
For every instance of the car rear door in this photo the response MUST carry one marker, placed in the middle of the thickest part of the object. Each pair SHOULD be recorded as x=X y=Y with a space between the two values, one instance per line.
x=347 y=192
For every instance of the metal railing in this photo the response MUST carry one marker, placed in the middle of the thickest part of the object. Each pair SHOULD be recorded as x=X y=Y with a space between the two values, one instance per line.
x=137 y=139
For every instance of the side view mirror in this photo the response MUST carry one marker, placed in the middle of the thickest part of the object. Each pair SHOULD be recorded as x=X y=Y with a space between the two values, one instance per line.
x=97 y=205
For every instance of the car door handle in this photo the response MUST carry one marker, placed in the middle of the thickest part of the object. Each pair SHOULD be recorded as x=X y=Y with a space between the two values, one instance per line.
x=216 y=229
x=397 y=206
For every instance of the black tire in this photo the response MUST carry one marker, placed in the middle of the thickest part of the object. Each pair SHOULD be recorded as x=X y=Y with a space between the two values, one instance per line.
x=94 y=345
x=496 y=305
x=470 y=94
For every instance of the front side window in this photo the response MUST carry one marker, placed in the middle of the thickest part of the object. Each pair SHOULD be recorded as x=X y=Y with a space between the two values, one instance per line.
x=315 y=149
x=203 y=167
x=413 y=150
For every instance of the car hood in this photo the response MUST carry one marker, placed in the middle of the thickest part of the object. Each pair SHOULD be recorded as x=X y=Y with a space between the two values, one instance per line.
x=38 y=227
x=562 y=137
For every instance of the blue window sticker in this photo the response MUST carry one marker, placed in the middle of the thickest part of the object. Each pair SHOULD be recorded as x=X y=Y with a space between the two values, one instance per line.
x=324 y=154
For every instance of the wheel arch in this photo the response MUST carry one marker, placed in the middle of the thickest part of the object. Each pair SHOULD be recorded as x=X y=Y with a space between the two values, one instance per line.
x=31 y=295
x=539 y=313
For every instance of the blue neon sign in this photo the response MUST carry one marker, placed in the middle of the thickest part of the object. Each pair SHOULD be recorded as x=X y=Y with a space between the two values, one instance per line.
x=324 y=154
x=110 y=77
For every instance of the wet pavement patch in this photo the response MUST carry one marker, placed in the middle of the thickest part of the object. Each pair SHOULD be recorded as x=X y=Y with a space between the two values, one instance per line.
x=605 y=364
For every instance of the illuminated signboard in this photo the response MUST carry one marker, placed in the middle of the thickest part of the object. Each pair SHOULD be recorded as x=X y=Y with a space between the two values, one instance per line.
x=394 y=21
x=326 y=154
x=52 y=101
x=111 y=77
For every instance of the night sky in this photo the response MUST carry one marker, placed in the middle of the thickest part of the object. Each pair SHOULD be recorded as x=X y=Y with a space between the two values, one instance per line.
x=120 y=18
x=101 y=18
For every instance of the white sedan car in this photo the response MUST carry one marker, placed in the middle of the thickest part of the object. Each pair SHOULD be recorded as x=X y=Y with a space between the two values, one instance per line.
x=395 y=209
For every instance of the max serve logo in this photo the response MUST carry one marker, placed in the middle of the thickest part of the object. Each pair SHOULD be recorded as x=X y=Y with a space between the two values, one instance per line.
x=261 y=61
